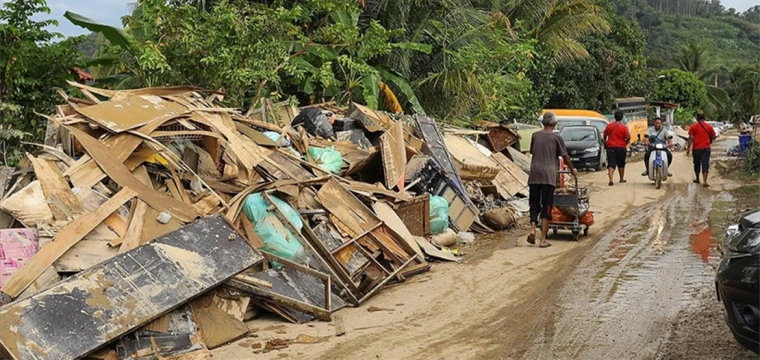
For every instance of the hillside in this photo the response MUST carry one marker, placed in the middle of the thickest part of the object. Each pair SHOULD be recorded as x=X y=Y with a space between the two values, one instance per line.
x=731 y=39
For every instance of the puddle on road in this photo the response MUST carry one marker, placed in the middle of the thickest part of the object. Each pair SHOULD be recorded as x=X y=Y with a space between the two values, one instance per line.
x=702 y=244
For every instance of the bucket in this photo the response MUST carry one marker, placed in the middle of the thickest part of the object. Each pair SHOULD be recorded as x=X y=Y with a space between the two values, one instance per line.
x=744 y=141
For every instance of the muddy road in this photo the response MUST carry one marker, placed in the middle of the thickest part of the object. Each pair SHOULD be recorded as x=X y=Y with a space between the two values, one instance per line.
x=639 y=286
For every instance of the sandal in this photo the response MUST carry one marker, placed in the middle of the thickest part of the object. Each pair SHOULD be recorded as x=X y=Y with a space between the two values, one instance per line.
x=696 y=181
x=545 y=246
x=706 y=185
x=611 y=183
x=623 y=181
x=532 y=239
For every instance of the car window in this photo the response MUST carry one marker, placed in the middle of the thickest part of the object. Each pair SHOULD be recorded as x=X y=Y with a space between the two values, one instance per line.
x=578 y=134
x=601 y=125
x=566 y=123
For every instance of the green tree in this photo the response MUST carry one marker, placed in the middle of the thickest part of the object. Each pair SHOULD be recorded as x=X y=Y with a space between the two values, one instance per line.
x=683 y=88
x=32 y=68
x=615 y=68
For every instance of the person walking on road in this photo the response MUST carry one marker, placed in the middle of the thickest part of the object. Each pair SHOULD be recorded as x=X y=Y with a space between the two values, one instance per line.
x=616 y=138
x=546 y=148
x=701 y=137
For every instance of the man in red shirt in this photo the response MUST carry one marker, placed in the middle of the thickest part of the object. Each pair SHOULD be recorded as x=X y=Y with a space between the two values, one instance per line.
x=616 y=138
x=701 y=136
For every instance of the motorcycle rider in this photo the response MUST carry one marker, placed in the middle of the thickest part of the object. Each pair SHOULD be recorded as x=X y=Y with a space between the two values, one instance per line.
x=657 y=135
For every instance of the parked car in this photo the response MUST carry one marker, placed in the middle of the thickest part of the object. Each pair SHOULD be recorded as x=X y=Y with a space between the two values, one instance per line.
x=585 y=146
x=738 y=280
x=568 y=117
x=716 y=127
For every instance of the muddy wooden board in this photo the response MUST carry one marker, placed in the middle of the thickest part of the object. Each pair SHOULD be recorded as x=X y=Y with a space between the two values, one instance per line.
x=470 y=162
x=84 y=312
x=415 y=215
x=511 y=180
x=522 y=160
x=394 y=157
x=177 y=338
x=297 y=285
x=122 y=115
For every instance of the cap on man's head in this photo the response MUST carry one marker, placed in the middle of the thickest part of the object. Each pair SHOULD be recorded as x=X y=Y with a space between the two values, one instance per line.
x=618 y=115
x=549 y=119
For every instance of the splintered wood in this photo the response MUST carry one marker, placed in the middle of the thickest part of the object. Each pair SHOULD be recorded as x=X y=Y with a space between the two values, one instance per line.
x=138 y=199
x=114 y=297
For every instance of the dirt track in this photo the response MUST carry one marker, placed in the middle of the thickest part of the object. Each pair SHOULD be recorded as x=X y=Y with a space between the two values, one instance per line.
x=638 y=287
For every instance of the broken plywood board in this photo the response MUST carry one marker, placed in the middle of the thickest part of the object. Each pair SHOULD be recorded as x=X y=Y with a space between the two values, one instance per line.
x=217 y=327
x=28 y=205
x=433 y=251
x=122 y=115
x=120 y=174
x=470 y=162
x=522 y=160
x=67 y=237
x=372 y=120
x=394 y=157
x=125 y=292
x=511 y=180
x=389 y=217
x=64 y=204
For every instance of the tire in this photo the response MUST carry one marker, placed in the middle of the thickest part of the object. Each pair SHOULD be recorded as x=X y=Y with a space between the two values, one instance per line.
x=576 y=235
x=585 y=231
x=658 y=176
x=600 y=166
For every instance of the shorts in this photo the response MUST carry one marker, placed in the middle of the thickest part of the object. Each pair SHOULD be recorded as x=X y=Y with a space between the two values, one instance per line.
x=701 y=160
x=541 y=200
x=616 y=158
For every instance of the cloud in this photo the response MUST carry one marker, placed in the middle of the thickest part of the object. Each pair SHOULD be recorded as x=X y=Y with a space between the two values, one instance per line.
x=104 y=11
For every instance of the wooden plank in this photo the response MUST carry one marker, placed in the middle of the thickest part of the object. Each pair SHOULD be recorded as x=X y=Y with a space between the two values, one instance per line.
x=247 y=152
x=390 y=218
x=132 y=238
x=120 y=174
x=394 y=156
x=217 y=327
x=56 y=190
x=115 y=297
x=122 y=115
x=511 y=177
x=66 y=238
x=85 y=254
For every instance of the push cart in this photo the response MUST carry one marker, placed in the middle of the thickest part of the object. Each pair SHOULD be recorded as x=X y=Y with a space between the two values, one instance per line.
x=573 y=201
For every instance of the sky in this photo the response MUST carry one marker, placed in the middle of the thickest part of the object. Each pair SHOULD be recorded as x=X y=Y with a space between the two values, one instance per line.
x=110 y=11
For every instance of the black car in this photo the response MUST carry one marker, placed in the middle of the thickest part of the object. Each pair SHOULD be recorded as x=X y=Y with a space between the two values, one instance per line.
x=738 y=280
x=585 y=146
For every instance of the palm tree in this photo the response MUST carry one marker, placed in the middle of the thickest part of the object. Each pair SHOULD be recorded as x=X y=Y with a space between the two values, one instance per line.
x=558 y=24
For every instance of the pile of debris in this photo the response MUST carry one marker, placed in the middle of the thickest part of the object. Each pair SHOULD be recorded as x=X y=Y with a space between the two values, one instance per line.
x=153 y=223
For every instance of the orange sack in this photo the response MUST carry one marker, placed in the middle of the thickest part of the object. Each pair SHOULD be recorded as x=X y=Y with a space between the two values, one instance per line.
x=559 y=216
x=587 y=219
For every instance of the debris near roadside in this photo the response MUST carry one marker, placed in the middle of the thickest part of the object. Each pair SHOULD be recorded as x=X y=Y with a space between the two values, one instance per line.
x=153 y=222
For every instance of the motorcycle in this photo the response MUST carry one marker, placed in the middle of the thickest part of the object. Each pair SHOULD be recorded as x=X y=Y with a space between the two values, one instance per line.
x=658 y=164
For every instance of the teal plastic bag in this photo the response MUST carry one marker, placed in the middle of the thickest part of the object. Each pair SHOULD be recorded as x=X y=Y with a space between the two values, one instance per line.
x=277 y=239
x=439 y=215
x=328 y=159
